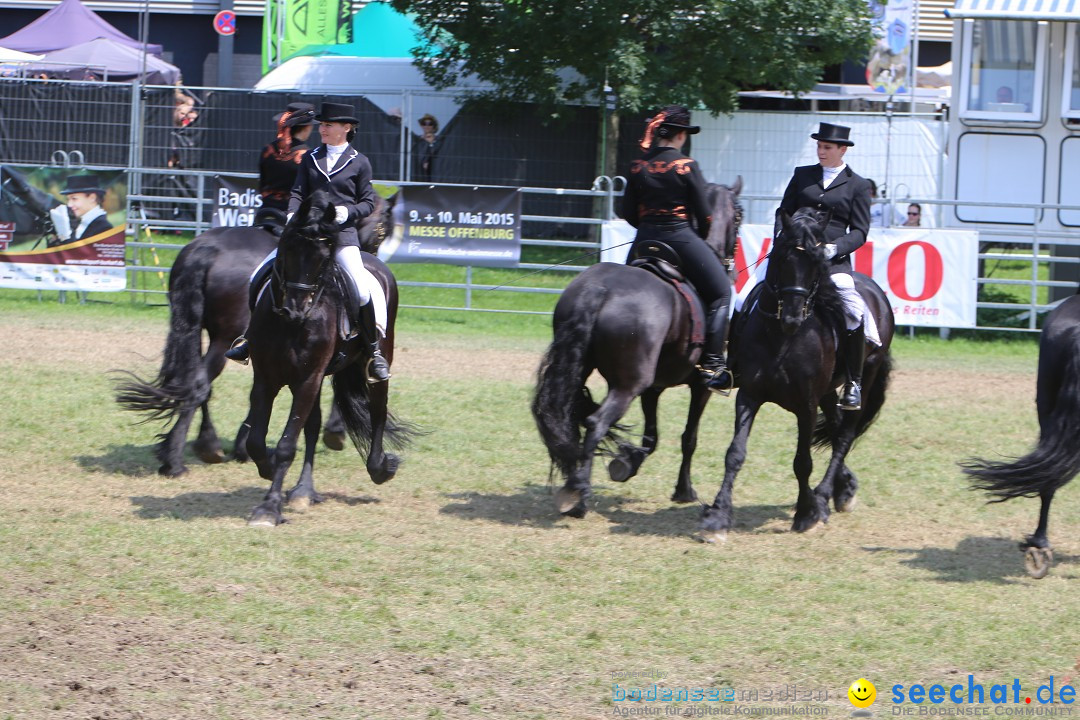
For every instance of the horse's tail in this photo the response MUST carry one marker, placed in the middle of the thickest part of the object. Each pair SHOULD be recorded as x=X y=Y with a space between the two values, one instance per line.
x=562 y=401
x=873 y=401
x=354 y=401
x=181 y=383
x=1053 y=462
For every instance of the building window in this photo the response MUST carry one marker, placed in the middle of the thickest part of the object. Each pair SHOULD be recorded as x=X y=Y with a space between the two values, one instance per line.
x=1003 y=69
x=1070 y=101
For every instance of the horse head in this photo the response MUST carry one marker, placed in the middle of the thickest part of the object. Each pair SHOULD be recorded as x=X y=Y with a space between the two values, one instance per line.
x=379 y=225
x=305 y=254
x=796 y=266
x=727 y=216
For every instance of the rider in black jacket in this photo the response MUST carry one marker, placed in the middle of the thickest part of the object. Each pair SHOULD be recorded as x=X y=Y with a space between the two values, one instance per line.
x=665 y=200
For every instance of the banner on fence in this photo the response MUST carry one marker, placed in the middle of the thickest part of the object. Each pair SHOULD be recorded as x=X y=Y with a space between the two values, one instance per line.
x=236 y=200
x=62 y=229
x=457 y=226
x=928 y=274
x=292 y=25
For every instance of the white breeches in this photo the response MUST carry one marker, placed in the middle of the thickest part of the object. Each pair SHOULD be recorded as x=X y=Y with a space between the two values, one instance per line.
x=367 y=286
x=853 y=302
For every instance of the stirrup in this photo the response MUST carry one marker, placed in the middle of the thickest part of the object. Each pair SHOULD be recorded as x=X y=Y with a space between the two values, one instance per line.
x=855 y=394
x=719 y=380
x=238 y=351
x=369 y=370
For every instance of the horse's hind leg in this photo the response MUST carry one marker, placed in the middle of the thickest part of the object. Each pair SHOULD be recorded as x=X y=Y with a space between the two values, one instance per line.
x=207 y=446
x=303 y=495
x=170 y=451
x=573 y=497
x=844 y=489
x=626 y=464
x=334 y=429
x=699 y=398
x=1039 y=556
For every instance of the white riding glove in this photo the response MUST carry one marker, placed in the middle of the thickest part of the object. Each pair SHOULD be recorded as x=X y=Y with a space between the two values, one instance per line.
x=61 y=221
x=342 y=214
x=830 y=251
x=288 y=218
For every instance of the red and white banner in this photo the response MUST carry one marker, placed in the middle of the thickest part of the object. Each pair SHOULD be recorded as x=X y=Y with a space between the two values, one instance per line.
x=929 y=275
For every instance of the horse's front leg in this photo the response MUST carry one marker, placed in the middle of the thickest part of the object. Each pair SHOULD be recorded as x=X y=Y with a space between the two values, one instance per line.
x=381 y=465
x=626 y=464
x=268 y=512
x=699 y=398
x=839 y=483
x=260 y=405
x=572 y=498
x=716 y=519
x=303 y=494
x=809 y=508
x=170 y=451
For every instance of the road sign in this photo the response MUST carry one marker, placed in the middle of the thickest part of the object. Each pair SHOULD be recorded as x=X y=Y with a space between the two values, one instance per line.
x=225 y=22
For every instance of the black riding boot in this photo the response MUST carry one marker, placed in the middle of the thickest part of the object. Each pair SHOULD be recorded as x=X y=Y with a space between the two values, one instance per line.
x=378 y=370
x=239 y=350
x=713 y=367
x=854 y=350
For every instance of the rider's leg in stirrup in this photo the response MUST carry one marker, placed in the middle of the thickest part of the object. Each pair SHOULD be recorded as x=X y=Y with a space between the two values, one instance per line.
x=368 y=320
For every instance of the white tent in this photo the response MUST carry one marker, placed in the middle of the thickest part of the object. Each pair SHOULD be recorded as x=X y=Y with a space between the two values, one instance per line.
x=391 y=83
x=17 y=56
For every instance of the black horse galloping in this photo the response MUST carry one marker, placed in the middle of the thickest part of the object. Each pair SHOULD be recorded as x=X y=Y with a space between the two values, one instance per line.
x=294 y=333
x=785 y=353
x=208 y=290
x=1056 y=458
x=636 y=330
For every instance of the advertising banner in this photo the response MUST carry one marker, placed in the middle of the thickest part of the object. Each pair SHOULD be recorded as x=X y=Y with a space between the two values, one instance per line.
x=292 y=25
x=928 y=274
x=889 y=67
x=236 y=201
x=62 y=229
x=457 y=226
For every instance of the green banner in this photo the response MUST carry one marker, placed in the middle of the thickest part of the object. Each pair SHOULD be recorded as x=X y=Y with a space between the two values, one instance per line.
x=292 y=25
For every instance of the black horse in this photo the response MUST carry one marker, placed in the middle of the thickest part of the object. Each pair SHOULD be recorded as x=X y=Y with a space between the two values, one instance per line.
x=294 y=333
x=209 y=290
x=785 y=353
x=1056 y=458
x=635 y=329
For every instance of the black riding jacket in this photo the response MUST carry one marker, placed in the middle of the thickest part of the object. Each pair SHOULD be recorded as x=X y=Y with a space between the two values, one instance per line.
x=277 y=173
x=666 y=187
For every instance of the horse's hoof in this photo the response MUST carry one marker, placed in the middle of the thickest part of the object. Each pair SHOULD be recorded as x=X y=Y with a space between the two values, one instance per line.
x=683 y=497
x=804 y=526
x=1037 y=561
x=567 y=500
x=620 y=470
x=848 y=505
x=210 y=456
x=333 y=440
x=712 y=536
x=172 y=471
x=261 y=521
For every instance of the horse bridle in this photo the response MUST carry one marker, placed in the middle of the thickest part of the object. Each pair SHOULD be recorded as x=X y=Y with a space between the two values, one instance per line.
x=808 y=294
x=318 y=288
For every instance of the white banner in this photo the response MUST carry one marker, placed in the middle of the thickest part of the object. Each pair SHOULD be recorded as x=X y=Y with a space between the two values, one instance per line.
x=928 y=274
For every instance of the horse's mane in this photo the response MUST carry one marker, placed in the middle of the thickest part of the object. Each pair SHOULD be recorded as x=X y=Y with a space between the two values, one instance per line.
x=810 y=223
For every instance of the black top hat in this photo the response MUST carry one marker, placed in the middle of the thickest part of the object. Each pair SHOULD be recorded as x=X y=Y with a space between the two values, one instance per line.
x=297 y=114
x=827 y=132
x=676 y=116
x=337 y=112
x=82 y=184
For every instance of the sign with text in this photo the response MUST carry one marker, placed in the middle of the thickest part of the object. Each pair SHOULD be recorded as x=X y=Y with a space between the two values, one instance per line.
x=62 y=229
x=457 y=226
x=236 y=200
x=929 y=275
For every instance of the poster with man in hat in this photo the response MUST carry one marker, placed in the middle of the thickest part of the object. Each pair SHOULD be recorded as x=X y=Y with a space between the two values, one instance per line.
x=62 y=229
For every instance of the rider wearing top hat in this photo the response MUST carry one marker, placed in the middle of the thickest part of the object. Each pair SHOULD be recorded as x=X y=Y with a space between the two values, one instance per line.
x=280 y=161
x=85 y=196
x=665 y=200
x=832 y=186
x=340 y=170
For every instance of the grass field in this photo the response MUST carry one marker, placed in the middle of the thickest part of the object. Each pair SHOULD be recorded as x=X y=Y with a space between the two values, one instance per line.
x=457 y=591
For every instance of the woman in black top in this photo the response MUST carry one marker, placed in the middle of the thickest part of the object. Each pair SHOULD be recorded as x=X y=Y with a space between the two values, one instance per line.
x=665 y=200
x=279 y=162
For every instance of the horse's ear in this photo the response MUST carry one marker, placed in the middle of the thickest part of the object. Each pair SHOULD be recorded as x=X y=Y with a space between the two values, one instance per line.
x=392 y=200
x=737 y=187
x=785 y=220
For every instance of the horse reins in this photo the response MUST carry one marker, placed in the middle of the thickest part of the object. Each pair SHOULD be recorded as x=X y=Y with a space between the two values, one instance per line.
x=318 y=288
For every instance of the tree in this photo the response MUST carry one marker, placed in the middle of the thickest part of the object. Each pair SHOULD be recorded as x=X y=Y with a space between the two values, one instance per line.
x=650 y=52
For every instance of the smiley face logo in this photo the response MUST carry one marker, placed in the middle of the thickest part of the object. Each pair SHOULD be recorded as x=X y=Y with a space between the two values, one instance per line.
x=862 y=693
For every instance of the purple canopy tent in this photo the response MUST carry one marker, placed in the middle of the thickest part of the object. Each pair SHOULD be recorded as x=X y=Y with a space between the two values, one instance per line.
x=104 y=59
x=69 y=23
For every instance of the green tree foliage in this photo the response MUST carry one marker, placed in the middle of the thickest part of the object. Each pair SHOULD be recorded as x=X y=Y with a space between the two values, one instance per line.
x=651 y=52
